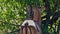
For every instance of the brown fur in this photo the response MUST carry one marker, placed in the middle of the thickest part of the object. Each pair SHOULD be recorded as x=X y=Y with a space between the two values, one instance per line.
x=37 y=13
x=27 y=30
x=36 y=17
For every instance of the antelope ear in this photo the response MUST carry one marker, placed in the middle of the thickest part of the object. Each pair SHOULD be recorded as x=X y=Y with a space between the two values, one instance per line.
x=41 y=8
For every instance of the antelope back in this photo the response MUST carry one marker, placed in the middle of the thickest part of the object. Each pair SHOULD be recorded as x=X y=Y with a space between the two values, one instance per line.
x=27 y=30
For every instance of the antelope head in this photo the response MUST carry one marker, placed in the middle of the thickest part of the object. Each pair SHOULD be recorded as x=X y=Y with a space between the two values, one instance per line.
x=37 y=12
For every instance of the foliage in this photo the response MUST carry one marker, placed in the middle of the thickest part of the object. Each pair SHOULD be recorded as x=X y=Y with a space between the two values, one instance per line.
x=13 y=13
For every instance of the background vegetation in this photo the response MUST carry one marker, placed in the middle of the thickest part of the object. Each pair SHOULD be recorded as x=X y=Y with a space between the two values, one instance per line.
x=13 y=13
